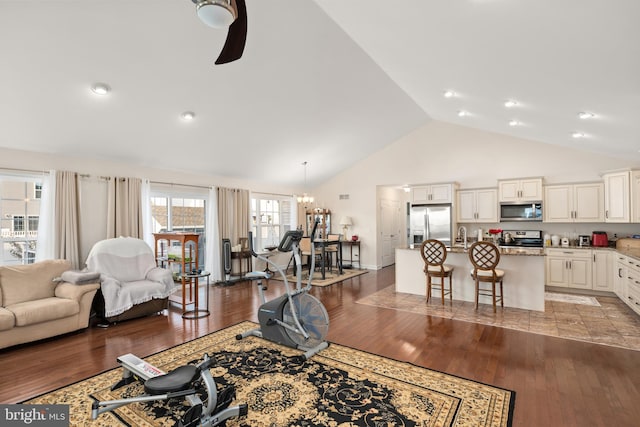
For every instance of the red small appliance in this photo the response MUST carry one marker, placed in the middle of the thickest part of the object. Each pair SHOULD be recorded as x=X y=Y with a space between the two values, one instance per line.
x=599 y=238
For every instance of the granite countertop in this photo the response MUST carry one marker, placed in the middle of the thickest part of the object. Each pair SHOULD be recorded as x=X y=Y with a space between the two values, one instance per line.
x=503 y=251
x=581 y=247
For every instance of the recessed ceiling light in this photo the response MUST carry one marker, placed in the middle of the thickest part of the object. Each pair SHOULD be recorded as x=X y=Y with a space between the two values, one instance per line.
x=188 y=115
x=578 y=135
x=584 y=115
x=449 y=94
x=100 y=88
x=463 y=113
x=510 y=103
x=514 y=123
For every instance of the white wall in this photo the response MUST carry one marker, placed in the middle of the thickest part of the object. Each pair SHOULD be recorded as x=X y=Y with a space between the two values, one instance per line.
x=442 y=152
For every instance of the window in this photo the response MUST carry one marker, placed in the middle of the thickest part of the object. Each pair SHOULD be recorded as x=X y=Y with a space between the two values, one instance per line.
x=17 y=226
x=34 y=220
x=271 y=217
x=179 y=213
x=20 y=197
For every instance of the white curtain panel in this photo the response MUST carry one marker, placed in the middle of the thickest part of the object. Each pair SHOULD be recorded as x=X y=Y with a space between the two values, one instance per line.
x=45 y=245
x=147 y=218
x=213 y=262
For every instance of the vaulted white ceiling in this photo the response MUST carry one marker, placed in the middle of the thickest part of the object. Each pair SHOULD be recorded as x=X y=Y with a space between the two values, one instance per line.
x=324 y=81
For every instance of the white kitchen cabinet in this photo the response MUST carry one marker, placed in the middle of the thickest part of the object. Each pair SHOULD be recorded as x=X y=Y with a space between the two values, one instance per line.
x=617 y=207
x=433 y=193
x=479 y=205
x=601 y=270
x=620 y=276
x=520 y=190
x=569 y=268
x=631 y=292
x=635 y=196
x=574 y=202
x=626 y=280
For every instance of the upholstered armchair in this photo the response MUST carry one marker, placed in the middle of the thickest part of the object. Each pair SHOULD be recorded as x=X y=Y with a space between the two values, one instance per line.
x=131 y=285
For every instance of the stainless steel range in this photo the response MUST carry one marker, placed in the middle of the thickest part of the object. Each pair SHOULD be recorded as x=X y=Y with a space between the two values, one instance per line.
x=521 y=238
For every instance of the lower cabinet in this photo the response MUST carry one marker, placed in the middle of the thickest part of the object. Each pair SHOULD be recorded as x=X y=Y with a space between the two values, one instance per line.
x=596 y=269
x=631 y=291
x=620 y=276
x=569 y=268
x=602 y=269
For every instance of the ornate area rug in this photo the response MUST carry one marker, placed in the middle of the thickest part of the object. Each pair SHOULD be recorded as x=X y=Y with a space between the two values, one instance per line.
x=339 y=386
x=330 y=277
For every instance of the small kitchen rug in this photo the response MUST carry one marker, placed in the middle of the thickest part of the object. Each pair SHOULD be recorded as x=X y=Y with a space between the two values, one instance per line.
x=571 y=299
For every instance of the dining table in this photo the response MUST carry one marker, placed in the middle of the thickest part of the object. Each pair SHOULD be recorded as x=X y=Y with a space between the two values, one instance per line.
x=323 y=244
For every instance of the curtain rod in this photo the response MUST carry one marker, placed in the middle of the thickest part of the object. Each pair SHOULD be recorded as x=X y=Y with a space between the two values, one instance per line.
x=86 y=175
x=24 y=170
x=272 y=194
x=182 y=185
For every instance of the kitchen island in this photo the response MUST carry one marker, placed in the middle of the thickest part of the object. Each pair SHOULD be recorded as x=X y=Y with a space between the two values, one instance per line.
x=523 y=283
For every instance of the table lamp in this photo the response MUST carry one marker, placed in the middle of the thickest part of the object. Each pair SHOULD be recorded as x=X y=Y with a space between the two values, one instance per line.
x=345 y=222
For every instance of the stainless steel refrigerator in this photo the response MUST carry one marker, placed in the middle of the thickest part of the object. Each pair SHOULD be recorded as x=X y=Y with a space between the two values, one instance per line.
x=429 y=222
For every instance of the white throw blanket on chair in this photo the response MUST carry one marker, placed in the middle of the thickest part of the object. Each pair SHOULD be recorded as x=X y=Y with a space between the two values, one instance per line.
x=128 y=274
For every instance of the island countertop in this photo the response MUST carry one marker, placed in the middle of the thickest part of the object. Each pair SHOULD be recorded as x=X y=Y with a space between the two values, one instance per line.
x=504 y=250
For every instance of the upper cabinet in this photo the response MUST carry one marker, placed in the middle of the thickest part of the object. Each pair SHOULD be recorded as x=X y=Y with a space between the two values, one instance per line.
x=433 y=193
x=574 y=202
x=617 y=195
x=479 y=205
x=635 y=196
x=520 y=190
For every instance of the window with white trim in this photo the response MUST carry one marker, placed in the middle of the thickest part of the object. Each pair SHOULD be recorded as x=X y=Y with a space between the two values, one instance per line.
x=20 y=196
x=175 y=212
x=271 y=216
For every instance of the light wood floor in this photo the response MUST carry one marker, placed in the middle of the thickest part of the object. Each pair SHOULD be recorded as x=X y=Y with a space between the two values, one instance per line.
x=558 y=382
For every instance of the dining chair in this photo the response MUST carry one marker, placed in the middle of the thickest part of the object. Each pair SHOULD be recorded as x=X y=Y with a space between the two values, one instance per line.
x=434 y=253
x=484 y=257
x=332 y=250
x=305 y=250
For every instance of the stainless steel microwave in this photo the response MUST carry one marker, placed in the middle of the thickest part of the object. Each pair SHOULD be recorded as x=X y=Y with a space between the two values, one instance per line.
x=518 y=211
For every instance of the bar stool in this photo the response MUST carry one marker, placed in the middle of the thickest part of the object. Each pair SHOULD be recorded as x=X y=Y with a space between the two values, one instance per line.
x=485 y=257
x=434 y=253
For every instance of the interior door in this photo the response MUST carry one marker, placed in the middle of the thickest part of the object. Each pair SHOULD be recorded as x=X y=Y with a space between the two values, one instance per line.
x=390 y=230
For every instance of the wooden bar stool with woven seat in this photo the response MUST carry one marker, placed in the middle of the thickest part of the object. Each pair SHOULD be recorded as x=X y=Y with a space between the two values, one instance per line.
x=434 y=253
x=485 y=257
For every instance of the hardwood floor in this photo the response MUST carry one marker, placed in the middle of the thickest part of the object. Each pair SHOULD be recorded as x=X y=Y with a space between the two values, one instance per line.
x=558 y=382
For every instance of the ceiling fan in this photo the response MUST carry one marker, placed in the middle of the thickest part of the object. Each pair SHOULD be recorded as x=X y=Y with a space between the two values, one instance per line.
x=222 y=14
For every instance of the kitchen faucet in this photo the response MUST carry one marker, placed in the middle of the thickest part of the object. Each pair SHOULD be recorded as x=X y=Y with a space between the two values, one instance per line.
x=462 y=235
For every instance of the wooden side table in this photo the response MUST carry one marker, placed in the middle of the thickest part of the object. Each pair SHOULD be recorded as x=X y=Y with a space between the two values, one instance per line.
x=186 y=266
x=242 y=255
x=198 y=312
x=351 y=244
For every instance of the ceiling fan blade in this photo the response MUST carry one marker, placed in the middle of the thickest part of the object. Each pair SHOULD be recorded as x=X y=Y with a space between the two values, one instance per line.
x=237 y=35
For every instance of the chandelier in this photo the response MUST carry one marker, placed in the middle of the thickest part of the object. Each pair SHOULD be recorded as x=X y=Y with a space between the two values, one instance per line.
x=305 y=198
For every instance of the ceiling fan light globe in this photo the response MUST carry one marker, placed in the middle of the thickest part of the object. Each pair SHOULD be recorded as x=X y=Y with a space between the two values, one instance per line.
x=216 y=13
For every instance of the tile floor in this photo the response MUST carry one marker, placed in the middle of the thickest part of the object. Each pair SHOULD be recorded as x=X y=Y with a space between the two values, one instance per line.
x=612 y=323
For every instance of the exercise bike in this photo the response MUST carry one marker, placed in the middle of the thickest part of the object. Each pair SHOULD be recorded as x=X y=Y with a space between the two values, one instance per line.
x=295 y=319
x=183 y=382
